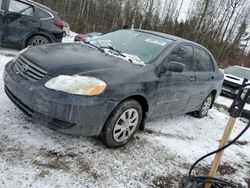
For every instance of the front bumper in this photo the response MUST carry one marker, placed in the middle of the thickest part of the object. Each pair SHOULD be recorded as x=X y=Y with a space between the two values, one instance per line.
x=65 y=113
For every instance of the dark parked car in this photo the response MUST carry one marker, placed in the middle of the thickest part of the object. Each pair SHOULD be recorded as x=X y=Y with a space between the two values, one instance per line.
x=83 y=37
x=111 y=85
x=233 y=78
x=24 y=23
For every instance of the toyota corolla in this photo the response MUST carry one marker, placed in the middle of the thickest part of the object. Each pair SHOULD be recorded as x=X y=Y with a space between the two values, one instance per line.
x=112 y=85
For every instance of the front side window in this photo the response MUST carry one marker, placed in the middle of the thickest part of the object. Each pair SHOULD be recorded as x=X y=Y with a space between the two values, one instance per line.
x=203 y=61
x=185 y=55
x=22 y=8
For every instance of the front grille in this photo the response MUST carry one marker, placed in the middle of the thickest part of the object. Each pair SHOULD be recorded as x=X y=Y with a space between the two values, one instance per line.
x=29 y=70
x=233 y=78
x=231 y=85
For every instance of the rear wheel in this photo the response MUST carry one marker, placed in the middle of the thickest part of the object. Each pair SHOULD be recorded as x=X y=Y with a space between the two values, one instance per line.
x=122 y=124
x=206 y=105
x=37 y=40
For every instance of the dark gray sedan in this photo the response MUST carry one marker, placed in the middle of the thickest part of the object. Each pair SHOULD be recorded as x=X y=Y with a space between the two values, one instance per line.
x=111 y=86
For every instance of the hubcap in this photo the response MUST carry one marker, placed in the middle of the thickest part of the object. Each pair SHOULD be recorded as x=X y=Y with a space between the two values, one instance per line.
x=125 y=125
x=206 y=106
x=39 y=42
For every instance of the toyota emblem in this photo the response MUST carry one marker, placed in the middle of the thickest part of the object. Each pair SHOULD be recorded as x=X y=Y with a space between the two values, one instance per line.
x=24 y=68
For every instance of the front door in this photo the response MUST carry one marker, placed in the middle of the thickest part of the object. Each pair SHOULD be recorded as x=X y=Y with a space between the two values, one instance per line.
x=20 y=22
x=175 y=88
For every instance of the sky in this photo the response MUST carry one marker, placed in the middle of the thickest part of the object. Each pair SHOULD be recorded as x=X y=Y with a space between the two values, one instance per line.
x=184 y=10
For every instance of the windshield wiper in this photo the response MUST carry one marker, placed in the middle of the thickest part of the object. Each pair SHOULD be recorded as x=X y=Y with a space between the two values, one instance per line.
x=98 y=48
x=135 y=59
x=112 y=48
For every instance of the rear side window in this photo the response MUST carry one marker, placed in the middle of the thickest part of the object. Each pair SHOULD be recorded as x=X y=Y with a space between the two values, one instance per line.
x=43 y=14
x=22 y=8
x=1 y=2
x=183 y=54
x=203 y=61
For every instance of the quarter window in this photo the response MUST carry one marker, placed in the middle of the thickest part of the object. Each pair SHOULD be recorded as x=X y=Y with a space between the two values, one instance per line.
x=22 y=8
x=184 y=55
x=203 y=61
x=43 y=14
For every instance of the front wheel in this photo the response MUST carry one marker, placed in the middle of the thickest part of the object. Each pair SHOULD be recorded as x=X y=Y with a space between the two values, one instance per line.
x=206 y=105
x=122 y=124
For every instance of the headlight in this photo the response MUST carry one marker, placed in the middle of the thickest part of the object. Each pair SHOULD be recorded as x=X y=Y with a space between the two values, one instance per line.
x=20 y=53
x=78 y=85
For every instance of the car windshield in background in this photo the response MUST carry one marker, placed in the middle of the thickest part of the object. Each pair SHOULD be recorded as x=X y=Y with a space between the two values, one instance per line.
x=142 y=45
x=239 y=72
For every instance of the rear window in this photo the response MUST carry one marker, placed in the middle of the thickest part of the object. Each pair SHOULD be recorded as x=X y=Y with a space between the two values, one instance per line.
x=203 y=61
x=43 y=14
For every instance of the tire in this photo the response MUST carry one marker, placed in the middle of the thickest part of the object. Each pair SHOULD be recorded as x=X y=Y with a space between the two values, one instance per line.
x=37 y=40
x=122 y=124
x=248 y=100
x=206 y=105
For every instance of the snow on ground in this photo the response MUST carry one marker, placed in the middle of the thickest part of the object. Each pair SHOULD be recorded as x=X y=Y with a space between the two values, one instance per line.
x=69 y=38
x=228 y=101
x=34 y=156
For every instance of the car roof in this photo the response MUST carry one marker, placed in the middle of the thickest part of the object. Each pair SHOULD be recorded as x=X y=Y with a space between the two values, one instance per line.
x=172 y=37
x=39 y=5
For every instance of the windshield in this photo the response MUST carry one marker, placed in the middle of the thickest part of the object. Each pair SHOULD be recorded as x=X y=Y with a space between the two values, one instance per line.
x=239 y=72
x=137 y=45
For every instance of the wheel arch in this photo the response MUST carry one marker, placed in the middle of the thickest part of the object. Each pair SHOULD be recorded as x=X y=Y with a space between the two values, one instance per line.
x=214 y=94
x=144 y=105
x=145 y=108
x=38 y=34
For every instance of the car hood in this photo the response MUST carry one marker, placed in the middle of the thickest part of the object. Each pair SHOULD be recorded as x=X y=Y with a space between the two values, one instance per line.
x=80 y=59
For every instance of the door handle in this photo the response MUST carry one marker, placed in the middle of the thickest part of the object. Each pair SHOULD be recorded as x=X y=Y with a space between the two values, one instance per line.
x=212 y=77
x=192 y=78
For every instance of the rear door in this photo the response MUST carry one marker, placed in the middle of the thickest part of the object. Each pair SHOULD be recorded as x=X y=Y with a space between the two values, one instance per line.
x=205 y=74
x=175 y=89
x=20 y=22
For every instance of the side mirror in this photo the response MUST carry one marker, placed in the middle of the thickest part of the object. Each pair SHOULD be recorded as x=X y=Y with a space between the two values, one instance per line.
x=172 y=66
